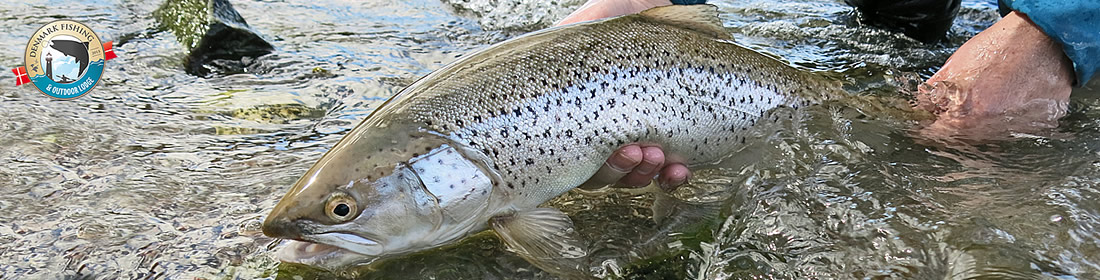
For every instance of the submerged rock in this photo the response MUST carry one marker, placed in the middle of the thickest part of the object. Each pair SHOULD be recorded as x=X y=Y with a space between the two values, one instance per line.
x=218 y=38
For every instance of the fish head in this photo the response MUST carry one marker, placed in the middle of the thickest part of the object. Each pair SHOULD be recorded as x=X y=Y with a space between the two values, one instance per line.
x=379 y=193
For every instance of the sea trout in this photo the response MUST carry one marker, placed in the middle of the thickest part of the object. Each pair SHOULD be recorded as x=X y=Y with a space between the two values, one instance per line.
x=482 y=142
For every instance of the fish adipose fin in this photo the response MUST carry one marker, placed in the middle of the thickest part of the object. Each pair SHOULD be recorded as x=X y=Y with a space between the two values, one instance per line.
x=702 y=18
x=544 y=237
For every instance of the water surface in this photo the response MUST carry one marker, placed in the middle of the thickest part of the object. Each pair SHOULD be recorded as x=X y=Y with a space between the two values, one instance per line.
x=161 y=174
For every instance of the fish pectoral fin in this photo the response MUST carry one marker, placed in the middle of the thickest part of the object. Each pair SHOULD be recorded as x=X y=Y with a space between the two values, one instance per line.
x=546 y=238
x=702 y=18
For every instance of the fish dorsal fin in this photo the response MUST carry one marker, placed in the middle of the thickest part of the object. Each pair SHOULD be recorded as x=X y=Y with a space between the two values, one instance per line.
x=702 y=18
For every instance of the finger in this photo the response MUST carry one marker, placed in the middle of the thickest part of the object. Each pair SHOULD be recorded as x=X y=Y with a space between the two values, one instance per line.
x=620 y=163
x=626 y=159
x=673 y=175
x=653 y=158
x=591 y=10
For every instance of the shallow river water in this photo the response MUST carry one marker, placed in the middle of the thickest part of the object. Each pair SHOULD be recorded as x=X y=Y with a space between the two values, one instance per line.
x=159 y=174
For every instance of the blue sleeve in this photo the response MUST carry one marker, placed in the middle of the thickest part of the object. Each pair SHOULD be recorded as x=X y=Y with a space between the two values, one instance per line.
x=1073 y=23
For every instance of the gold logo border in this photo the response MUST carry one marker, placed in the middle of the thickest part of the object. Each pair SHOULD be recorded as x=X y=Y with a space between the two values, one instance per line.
x=95 y=52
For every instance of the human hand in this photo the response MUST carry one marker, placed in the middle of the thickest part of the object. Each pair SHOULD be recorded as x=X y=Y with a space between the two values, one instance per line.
x=636 y=165
x=1010 y=77
x=597 y=9
x=633 y=165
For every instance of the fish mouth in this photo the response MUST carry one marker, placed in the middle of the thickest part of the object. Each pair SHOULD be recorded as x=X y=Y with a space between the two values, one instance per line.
x=309 y=244
x=320 y=255
x=297 y=251
x=356 y=250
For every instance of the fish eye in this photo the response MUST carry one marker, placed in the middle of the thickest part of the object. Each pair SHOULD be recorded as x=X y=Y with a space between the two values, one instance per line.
x=341 y=210
x=340 y=207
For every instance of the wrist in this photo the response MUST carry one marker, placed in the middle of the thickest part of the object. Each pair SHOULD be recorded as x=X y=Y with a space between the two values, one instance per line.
x=1031 y=40
x=1012 y=70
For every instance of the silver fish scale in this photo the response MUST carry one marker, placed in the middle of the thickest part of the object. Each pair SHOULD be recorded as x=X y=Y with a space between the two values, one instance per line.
x=549 y=110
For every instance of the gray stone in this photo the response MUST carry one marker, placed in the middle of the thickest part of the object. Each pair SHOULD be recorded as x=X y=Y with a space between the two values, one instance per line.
x=217 y=37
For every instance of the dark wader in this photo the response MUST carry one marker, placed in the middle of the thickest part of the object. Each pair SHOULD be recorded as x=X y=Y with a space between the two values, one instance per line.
x=924 y=20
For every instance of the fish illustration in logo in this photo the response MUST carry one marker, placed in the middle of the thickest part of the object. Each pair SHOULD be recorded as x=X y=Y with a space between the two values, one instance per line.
x=77 y=50
x=64 y=78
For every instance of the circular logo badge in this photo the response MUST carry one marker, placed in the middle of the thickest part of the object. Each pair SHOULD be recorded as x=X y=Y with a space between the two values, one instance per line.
x=64 y=59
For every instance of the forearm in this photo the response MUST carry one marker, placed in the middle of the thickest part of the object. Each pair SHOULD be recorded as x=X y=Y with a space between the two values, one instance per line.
x=1037 y=61
x=1074 y=24
x=597 y=9
x=1011 y=76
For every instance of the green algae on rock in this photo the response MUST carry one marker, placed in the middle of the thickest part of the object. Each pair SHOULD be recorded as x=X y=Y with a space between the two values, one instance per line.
x=214 y=33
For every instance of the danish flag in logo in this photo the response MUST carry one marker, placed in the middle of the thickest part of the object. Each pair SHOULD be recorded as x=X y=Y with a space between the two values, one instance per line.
x=21 y=72
x=21 y=76
x=109 y=50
